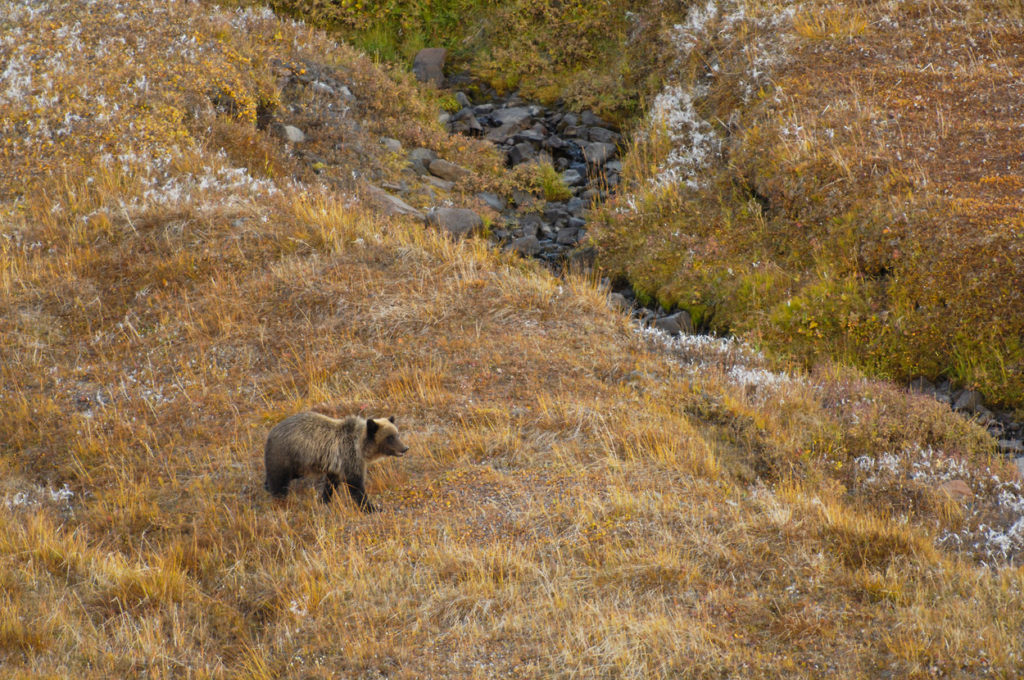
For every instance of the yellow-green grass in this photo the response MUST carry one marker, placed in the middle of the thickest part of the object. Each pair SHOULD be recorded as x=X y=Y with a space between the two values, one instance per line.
x=580 y=500
x=860 y=198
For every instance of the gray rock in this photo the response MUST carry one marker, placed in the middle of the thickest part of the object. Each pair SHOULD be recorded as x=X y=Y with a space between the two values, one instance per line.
x=597 y=153
x=420 y=160
x=392 y=145
x=321 y=87
x=466 y=124
x=619 y=302
x=556 y=212
x=292 y=134
x=613 y=166
x=447 y=170
x=492 y=200
x=483 y=109
x=527 y=246
x=438 y=183
x=600 y=134
x=530 y=225
x=1020 y=465
x=531 y=136
x=568 y=236
x=428 y=65
x=456 y=221
x=512 y=116
x=575 y=206
x=590 y=119
x=573 y=178
x=967 y=401
x=463 y=100
x=1014 y=447
x=675 y=324
x=444 y=118
x=577 y=222
x=922 y=385
x=520 y=153
x=390 y=205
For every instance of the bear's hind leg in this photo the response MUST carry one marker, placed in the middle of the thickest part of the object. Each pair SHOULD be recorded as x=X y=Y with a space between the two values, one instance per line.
x=277 y=482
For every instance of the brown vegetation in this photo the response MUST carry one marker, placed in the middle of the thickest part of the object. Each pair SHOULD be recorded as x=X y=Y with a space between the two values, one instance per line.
x=861 y=197
x=579 y=499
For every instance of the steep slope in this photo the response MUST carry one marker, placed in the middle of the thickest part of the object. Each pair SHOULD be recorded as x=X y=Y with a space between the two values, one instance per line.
x=842 y=180
x=580 y=500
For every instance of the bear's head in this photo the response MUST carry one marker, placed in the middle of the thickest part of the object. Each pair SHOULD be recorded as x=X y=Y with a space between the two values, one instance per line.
x=382 y=439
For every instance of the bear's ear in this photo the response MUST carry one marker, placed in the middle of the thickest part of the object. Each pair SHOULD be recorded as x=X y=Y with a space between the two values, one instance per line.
x=392 y=419
x=371 y=428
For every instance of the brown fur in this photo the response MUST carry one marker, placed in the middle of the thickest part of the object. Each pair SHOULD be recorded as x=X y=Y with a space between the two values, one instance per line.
x=340 y=449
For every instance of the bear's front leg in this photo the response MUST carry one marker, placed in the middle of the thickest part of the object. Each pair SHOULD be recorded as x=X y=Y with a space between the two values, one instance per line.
x=330 y=484
x=358 y=492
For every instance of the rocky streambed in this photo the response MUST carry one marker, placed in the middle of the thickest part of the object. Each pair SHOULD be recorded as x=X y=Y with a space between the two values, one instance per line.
x=583 y=154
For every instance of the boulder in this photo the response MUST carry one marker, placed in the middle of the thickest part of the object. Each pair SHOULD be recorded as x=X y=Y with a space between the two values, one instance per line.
x=597 y=153
x=389 y=204
x=573 y=178
x=492 y=200
x=520 y=153
x=967 y=401
x=428 y=65
x=527 y=246
x=957 y=489
x=675 y=324
x=604 y=135
x=292 y=134
x=567 y=236
x=456 y=221
x=618 y=301
x=447 y=170
x=392 y=145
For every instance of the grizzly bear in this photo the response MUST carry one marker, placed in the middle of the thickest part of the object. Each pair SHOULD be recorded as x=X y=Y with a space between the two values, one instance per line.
x=310 y=442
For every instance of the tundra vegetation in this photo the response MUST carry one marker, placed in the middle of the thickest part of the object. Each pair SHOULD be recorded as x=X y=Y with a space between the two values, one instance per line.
x=580 y=499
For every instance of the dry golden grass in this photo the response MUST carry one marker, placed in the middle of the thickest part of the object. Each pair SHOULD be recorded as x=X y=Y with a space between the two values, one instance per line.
x=580 y=500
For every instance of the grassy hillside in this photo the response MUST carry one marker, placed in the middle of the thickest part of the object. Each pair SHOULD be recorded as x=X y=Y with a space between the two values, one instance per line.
x=835 y=179
x=580 y=500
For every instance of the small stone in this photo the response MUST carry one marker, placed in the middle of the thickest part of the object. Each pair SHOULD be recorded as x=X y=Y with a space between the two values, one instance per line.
x=492 y=200
x=456 y=221
x=590 y=119
x=391 y=205
x=520 y=153
x=618 y=301
x=322 y=87
x=527 y=246
x=463 y=100
x=293 y=134
x=967 y=401
x=575 y=206
x=597 y=153
x=530 y=225
x=599 y=134
x=1020 y=466
x=420 y=160
x=428 y=65
x=513 y=116
x=675 y=324
x=572 y=178
x=613 y=166
x=567 y=236
x=438 y=183
x=392 y=145
x=577 y=222
x=1014 y=447
x=447 y=170
x=957 y=489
